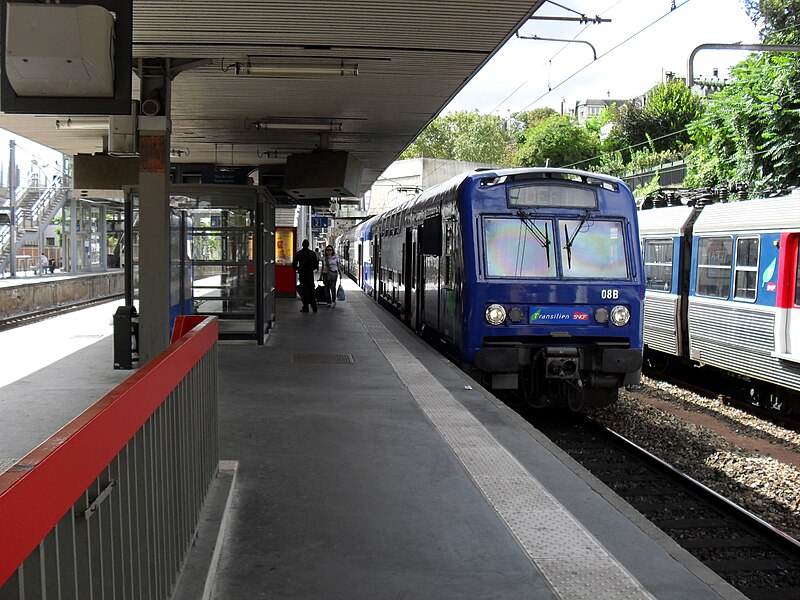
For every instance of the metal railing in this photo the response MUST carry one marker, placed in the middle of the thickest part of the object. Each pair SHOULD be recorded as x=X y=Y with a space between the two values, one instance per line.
x=108 y=507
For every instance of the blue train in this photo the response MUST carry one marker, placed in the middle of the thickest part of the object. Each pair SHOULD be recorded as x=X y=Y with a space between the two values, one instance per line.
x=723 y=292
x=531 y=279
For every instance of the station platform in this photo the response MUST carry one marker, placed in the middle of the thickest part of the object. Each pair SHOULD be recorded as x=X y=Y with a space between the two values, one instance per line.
x=370 y=467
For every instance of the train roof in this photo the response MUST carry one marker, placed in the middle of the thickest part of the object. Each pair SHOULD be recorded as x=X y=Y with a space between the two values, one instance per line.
x=766 y=214
x=669 y=220
x=520 y=174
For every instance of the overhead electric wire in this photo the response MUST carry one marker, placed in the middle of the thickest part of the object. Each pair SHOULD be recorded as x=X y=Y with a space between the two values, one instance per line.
x=550 y=60
x=625 y=41
x=630 y=147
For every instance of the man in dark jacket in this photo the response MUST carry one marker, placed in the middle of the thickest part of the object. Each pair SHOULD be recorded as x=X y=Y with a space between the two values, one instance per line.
x=305 y=263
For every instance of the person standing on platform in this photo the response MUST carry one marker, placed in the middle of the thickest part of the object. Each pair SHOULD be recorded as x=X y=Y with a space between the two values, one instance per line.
x=305 y=263
x=330 y=274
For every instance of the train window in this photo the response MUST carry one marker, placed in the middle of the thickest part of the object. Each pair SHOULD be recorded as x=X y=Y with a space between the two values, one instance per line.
x=517 y=248
x=550 y=194
x=431 y=241
x=658 y=264
x=714 y=267
x=746 y=274
x=448 y=251
x=592 y=249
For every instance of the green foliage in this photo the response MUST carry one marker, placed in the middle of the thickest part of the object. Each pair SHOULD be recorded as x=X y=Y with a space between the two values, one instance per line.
x=463 y=135
x=750 y=130
x=532 y=117
x=658 y=122
x=560 y=139
x=781 y=20
x=651 y=187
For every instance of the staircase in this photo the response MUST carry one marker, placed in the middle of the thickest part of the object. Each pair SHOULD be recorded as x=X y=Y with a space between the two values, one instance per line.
x=36 y=207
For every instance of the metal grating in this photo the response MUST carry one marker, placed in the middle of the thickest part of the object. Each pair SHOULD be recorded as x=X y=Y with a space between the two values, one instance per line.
x=323 y=359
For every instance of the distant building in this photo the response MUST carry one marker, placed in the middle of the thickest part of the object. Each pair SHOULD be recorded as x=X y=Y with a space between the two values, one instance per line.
x=591 y=108
x=405 y=178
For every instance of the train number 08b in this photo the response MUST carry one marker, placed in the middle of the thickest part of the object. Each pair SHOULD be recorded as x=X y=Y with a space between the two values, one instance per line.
x=610 y=294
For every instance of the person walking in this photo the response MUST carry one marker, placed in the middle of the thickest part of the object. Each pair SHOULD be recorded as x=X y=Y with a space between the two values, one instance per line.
x=330 y=274
x=305 y=263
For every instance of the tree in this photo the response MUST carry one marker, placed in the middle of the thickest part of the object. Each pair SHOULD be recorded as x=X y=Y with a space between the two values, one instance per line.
x=562 y=140
x=463 y=135
x=750 y=129
x=781 y=19
x=532 y=117
x=658 y=121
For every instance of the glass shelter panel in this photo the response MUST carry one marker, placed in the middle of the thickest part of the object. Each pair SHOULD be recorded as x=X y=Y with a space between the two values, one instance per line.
x=219 y=266
x=223 y=263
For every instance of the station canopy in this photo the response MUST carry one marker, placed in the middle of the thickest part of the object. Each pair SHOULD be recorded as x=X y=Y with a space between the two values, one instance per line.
x=270 y=78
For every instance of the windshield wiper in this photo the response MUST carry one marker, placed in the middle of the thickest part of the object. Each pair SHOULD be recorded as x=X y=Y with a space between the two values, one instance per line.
x=571 y=238
x=540 y=236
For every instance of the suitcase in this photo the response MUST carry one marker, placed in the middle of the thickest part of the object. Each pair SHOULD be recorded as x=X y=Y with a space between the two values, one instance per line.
x=319 y=294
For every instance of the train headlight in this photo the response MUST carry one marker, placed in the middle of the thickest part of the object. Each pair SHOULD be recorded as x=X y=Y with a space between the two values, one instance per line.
x=495 y=314
x=601 y=315
x=620 y=315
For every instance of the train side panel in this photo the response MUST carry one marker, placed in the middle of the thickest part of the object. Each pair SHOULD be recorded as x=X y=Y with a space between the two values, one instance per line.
x=666 y=248
x=742 y=255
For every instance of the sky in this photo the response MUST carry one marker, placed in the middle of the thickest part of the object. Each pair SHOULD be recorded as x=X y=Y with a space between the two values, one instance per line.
x=528 y=74
x=47 y=160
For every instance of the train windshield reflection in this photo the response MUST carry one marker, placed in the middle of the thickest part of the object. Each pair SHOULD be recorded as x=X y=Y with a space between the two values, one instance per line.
x=515 y=247
x=522 y=248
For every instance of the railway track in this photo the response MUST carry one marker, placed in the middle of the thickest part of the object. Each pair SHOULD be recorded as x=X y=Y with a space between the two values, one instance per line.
x=731 y=391
x=756 y=558
x=41 y=315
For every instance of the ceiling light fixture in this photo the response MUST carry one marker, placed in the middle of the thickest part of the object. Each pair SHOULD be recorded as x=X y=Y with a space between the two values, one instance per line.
x=296 y=126
x=83 y=124
x=288 y=70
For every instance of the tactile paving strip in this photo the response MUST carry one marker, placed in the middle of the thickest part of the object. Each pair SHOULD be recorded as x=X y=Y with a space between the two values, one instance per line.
x=575 y=564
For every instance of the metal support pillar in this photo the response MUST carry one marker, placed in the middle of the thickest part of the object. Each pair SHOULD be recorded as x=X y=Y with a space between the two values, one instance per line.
x=103 y=239
x=154 y=272
x=73 y=234
x=12 y=193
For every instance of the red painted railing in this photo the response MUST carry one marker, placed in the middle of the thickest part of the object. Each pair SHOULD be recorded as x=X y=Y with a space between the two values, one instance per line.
x=43 y=486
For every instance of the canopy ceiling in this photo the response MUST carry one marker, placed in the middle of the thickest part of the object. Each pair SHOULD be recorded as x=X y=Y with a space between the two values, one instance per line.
x=412 y=57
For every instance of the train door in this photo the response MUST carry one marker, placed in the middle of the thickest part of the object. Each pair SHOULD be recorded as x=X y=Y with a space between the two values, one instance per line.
x=407 y=279
x=376 y=266
x=430 y=251
x=788 y=298
x=359 y=265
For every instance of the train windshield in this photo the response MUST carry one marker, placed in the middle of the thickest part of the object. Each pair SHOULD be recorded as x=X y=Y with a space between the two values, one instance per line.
x=592 y=249
x=519 y=247
x=526 y=247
